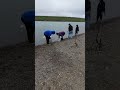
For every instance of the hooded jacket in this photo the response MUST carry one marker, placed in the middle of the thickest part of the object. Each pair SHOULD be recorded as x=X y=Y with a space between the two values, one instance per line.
x=28 y=18
x=49 y=33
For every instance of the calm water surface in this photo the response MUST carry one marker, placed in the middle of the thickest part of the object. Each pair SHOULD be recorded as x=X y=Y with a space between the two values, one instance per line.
x=41 y=26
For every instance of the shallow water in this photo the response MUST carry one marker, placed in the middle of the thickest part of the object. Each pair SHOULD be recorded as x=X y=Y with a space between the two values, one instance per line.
x=41 y=26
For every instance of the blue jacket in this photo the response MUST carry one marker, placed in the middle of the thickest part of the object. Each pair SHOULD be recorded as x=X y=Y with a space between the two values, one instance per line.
x=49 y=33
x=28 y=17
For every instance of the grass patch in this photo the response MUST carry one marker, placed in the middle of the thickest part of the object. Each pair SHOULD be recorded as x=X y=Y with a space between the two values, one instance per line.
x=55 y=18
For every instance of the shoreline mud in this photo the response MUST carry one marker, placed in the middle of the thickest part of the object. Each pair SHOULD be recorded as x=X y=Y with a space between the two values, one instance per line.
x=61 y=65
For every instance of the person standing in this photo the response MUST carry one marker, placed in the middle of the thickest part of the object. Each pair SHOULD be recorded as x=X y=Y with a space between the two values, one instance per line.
x=70 y=31
x=47 y=34
x=100 y=9
x=88 y=13
x=76 y=30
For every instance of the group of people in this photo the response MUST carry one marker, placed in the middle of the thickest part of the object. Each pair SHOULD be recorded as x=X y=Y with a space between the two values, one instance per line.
x=29 y=21
x=100 y=11
x=61 y=34
x=28 y=18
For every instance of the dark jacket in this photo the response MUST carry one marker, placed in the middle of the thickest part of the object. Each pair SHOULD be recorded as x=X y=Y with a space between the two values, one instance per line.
x=28 y=18
x=61 y=33
x=77 y=29
x=101 y=7
x=70 y=28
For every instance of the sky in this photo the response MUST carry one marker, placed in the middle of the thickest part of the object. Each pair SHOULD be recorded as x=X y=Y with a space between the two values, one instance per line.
x=69 y=8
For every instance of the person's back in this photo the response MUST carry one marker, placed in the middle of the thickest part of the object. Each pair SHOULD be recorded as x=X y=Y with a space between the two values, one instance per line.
x=70 y=28
x=101 y=7
x=62 y=33
x=49 y=33
x=28 y=18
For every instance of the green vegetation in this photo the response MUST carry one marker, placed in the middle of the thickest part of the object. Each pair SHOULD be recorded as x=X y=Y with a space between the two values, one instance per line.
x=55 y=18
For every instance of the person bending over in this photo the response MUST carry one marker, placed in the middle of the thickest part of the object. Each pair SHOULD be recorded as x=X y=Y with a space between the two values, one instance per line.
x=47 y=34
x=61 y=34
x=28 y=18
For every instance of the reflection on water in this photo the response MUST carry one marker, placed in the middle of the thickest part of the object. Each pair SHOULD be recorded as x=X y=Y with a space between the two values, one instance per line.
x=41 y=26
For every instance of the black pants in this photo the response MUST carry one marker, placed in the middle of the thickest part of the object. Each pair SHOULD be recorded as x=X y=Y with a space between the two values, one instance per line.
x=47 y=39
x=30 y=31
x=99 y=16
x=61 y=38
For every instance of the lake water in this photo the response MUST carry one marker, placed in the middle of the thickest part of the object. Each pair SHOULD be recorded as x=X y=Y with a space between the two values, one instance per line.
x=41 y=26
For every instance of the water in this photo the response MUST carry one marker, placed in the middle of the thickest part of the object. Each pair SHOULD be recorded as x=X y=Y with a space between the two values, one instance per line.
x=41 y=26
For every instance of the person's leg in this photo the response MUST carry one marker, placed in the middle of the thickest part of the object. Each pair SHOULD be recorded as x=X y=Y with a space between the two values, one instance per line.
x=47 y=39
x=101 y=16
x=69 y=34
x=98 y=16
x=99 y=47
x=75 y=33
x=30 y=32
x=61 y=38
x=58 y=36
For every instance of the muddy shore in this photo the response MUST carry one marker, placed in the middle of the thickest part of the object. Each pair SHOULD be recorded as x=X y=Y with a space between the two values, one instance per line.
x=61 y=65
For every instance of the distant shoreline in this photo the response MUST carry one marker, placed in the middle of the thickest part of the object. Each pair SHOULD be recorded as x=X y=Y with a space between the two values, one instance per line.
x=60 y=19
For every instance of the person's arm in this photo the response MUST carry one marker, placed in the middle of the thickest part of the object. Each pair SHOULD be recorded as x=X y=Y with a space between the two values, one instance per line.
x=78 y=28
x=58 y=35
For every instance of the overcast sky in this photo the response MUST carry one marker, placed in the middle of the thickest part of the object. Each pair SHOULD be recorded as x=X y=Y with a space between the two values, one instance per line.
x=70 y=8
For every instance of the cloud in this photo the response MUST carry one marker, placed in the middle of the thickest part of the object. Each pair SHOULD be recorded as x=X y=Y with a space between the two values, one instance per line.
x=70 y=8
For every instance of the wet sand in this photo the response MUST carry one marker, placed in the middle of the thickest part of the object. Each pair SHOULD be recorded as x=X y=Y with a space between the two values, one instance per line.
x=61 y=65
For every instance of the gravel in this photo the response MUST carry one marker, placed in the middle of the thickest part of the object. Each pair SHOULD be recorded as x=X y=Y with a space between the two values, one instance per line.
x=61 y=65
